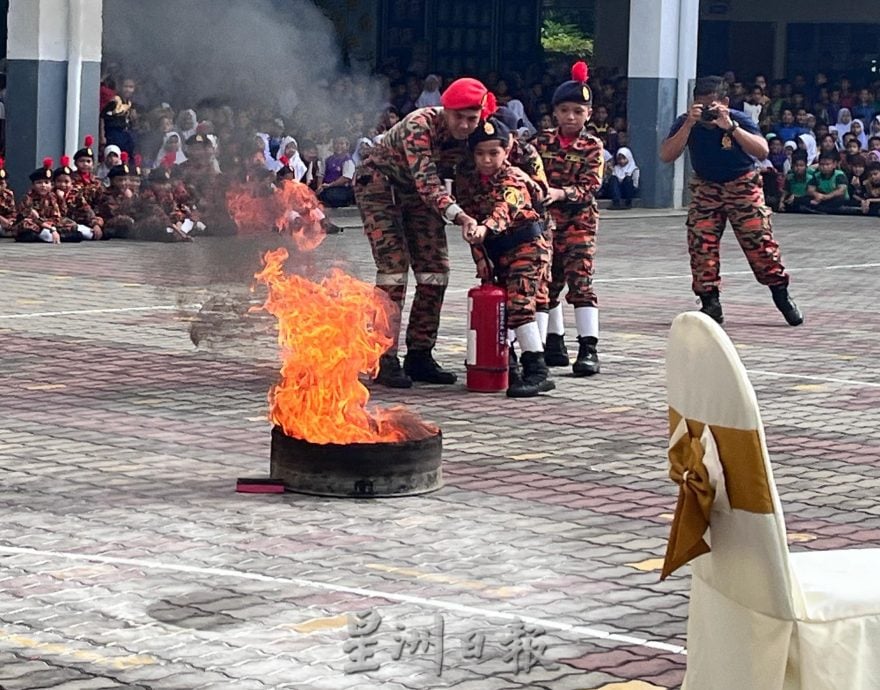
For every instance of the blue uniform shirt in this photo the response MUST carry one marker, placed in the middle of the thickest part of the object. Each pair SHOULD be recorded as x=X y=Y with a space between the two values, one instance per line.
x=715 y=155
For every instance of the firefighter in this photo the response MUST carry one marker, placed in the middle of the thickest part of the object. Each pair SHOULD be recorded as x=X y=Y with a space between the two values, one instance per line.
x=511 y=233
x=405 y=206
x=574 y=164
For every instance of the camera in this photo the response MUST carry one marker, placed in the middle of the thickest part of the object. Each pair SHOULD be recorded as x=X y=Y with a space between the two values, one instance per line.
x=709 y=114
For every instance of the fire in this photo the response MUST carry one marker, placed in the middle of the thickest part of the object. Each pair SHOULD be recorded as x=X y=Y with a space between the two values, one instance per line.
x=291 y=208
x=330 y=333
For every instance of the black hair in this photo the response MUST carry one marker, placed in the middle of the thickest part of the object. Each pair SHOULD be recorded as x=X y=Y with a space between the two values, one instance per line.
x=710 y=86
x=872 y=166
x=828 y=156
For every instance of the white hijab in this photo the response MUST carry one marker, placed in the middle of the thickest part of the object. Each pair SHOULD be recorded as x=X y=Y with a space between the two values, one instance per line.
x=516 y=107
x=180 y=157
x=622 y=171
x=296 y=163
x=187 y=133
x=812 y=149
x=363 y=145
x=428 y=99
x=842 y=127
x=863 y=138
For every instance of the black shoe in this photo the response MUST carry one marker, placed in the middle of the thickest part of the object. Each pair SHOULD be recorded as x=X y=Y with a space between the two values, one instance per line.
x=331 y=228
x=711 y=305
x=514 y=370
x=555 y=353
x=587 y=362
x=628 y=203
x=535 y=377
x=786 y=305
x=390 y=374
x=419 y=365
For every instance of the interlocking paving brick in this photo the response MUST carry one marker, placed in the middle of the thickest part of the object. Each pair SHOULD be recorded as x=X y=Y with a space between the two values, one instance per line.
x=121 y=440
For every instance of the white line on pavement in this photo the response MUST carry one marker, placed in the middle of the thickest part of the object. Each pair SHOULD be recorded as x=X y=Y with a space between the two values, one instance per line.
x=579 y=630
x=759 y=372
x=116 y=310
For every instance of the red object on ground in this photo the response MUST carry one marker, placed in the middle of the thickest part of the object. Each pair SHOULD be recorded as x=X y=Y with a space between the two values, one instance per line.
x=259 y=485
x=487 y=354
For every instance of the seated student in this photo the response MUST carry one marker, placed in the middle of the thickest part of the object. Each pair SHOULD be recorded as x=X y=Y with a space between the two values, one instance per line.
x=874 y=149
x=84 y=178
x=795 y=197
x=313 y=177
x=855 y=172
x=159 y=217
x=73 y=204
x=777 y=155
x=509 y=245
x=7 y=203
x=772 y=182
x=624 y=181
x=789 y=149
x=112 y=158
x=829 y=188
x=337 y=190
x=871 y=202
x=828 y=144
x=39 y=216
x=118 y=204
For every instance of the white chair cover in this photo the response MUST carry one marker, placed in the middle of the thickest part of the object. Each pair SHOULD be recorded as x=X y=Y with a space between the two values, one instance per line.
x=760 y=619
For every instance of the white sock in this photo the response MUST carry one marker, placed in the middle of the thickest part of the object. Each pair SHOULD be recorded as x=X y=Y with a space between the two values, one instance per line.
x=587 y=320
x=511 y=336
x=555 y=323
x=200 y=226
x=529 y=337
x=542 y=318
x=86 y=232
x=186 y=226
x=46 y=235
x=169 y=230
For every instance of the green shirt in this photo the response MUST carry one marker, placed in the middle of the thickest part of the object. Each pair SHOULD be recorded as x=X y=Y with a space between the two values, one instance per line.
x=798 y=187
x=826 y=185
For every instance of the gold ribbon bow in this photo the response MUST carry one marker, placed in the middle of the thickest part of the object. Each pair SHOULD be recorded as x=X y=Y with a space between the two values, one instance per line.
x=741 y=456
x=695 y=498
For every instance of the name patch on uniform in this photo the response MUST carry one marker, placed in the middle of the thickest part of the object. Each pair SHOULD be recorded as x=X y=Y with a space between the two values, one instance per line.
x=513 y=197
x=574 y=158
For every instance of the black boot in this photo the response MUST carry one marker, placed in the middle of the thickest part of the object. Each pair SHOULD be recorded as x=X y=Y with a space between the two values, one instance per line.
x=587 y=362
x=535 y=377
x=555 y=352
x=712 y=305
x=514 y=371
x=390 y=374
x=786 y=305
x=419 y=365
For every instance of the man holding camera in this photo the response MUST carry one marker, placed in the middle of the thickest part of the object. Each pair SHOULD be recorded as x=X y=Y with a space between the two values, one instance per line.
x=724 y=144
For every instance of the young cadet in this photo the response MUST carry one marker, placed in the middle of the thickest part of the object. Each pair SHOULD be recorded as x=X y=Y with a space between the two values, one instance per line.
x=574 y=163
x=84 y=178
x=72 y=202
x=7 y=202
x=39 y=214
x=510 y=232
x=119 y=202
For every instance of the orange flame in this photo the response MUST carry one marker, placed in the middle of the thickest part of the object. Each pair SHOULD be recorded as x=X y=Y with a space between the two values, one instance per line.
x=291 y=209
x=329 y=333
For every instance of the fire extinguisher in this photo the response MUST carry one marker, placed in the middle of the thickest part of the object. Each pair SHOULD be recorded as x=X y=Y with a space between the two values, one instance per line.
x=487 y=339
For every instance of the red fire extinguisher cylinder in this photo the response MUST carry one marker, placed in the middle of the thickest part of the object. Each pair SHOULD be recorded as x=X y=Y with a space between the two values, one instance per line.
x=487 y=339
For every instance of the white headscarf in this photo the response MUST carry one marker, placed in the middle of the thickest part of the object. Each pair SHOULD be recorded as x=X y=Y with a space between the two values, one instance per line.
x=517 y=108
x=812 y=149
x=179 y=158
x=842 y=127
x=863 y=138
x=360 y=150
x=296 y=163
x=429 y=98
x=874 y=127
x=187 y=133
x=622 y=171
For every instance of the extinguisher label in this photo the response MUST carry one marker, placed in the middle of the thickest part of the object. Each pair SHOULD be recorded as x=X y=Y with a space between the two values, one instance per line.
x=502 y=325
x=471 y=336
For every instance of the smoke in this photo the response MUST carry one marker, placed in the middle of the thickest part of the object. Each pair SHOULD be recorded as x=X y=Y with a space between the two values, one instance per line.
x=277 y=55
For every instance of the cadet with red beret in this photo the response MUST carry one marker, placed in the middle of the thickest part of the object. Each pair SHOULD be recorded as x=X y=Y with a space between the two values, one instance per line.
x=405 y=205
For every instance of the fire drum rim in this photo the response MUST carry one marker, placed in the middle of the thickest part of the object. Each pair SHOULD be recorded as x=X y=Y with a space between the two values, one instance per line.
x=357 y=470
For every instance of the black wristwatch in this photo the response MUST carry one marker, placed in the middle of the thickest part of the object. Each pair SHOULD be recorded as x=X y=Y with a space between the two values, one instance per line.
x=733 y=127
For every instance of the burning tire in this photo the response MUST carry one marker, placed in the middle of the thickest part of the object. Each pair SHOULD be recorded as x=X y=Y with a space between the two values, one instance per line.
x=357 y=470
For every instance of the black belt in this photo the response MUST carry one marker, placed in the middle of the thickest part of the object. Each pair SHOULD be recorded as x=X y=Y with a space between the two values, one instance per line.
x=498 y=245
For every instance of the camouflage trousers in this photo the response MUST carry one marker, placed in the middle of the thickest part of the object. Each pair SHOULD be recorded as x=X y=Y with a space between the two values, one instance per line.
x=741 y=201
x=574 y=248
x=522 y=271
x=403 y=233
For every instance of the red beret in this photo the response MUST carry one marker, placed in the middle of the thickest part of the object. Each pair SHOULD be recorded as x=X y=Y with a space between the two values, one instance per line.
x=464 y=94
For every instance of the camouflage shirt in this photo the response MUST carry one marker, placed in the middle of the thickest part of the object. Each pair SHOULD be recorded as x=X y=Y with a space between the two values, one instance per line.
x=576 y=169
x=7 y=204
x=92 y=190
x=74 y=206
x=500 y=202
x=417 y=153
x=36 y=209
x=525 y=157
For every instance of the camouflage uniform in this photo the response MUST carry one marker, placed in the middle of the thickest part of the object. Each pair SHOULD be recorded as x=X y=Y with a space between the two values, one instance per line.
x=75 y=207
x=203 y=190
x=34 y=210
x=154 y=212
x=118 y=212
x=741 y=201
x=402 y=198
x=521 y=252
x=578 y=170
x=7 y=207
x=91 y=189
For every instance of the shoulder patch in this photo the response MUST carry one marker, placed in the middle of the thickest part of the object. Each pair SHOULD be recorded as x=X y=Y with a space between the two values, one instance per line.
x=514 y=197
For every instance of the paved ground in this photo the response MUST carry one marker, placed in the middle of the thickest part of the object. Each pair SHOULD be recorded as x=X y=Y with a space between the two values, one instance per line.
x=127 y=559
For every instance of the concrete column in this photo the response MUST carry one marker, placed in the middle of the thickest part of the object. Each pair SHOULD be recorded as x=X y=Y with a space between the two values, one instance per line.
x=662 y=64
x=53 y=80
x=780 y=49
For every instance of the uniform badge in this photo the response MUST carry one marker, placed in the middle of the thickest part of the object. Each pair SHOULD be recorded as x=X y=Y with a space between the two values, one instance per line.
x=513 y=197
x=586 y=93
x=489 y=128
x=726 y=142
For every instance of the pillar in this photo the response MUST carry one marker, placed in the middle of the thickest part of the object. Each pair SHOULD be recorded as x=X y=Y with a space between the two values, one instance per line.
x=53 y=80
x=662 y=66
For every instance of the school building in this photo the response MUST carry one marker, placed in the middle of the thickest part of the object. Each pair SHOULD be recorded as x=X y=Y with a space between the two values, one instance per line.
x=53 y=52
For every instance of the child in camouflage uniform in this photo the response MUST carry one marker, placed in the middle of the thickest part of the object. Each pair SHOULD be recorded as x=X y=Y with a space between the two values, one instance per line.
x=574 y=163
x=510 y=232
x=39 y=213
x=7 y=203
x=118 y=204
x=72 y=202
x=84 y=178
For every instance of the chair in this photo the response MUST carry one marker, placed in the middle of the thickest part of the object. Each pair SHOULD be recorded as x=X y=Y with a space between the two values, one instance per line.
x=760 y=618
